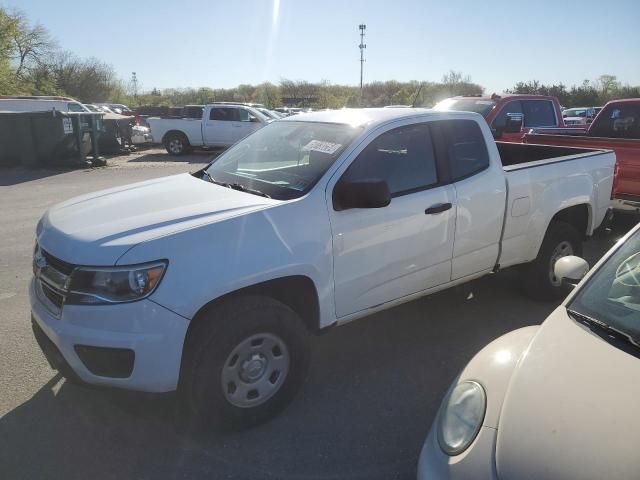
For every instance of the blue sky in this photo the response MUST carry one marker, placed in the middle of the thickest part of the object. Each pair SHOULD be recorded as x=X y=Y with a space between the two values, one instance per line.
x=216 y=43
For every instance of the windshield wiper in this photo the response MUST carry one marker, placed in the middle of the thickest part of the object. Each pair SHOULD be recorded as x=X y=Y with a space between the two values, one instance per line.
x=622 y=340
x=208 y=175
x=234 y=186
x=243 y=188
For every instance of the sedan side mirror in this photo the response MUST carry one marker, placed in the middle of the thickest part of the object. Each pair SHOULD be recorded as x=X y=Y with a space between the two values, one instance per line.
x=373 y=193
x=570 y=270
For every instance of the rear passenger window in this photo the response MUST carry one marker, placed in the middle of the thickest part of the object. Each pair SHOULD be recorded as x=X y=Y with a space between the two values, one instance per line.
x=224 y=114
x=538 y=113
x=465 y=147
x=403 y=157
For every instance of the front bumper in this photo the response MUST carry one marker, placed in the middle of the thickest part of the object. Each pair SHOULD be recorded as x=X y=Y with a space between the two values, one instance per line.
x=154 y=334
x=475 y=463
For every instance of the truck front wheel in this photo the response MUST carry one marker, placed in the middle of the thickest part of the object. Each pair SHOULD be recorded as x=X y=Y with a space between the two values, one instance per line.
x=247 y=359
x=177 y=144
x=539 y=280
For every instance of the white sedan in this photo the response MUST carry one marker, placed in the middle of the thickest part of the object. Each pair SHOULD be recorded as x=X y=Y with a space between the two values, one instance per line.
x=555 y=401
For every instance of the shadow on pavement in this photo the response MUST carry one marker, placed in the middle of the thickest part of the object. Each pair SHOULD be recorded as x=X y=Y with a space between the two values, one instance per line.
x=372 y=393
x=17 y=175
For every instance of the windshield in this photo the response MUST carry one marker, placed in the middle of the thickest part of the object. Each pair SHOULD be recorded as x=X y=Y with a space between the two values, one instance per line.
x=575 y=112
x=481 y=106
x=612 y=295
x=284 y=159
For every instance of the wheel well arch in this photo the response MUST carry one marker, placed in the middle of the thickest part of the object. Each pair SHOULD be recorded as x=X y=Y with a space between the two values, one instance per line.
x=577 y=216
x=298 y=292
x=174 y=132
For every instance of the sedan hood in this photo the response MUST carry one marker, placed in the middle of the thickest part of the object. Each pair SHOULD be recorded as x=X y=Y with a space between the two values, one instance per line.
x=98 y=228
x=571 y=410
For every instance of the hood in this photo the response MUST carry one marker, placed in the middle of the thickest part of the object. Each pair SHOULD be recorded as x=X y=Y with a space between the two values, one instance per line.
x=571 y=410
x=98 y=228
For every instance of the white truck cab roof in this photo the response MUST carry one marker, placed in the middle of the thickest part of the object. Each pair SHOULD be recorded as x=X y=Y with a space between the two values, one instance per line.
x=40 y=104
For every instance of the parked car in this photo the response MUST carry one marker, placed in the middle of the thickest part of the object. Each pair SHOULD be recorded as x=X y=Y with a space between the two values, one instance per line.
x=40 y=104
x=272 y=115
x=556 y=400
x=509 y=116
x=221 y=125
x=578 y=116
x=212 y=282
x=617 y=127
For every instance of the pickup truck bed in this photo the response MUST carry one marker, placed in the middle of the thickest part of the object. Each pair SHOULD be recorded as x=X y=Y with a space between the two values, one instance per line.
x=534 y=175
x=512 y=154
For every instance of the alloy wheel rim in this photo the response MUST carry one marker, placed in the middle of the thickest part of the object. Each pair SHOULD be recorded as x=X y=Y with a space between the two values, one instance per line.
x=175 y=146
x=255 y=370
x=563 y=249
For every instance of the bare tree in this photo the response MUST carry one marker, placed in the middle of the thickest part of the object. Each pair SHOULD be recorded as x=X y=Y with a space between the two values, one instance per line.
x=32 y=44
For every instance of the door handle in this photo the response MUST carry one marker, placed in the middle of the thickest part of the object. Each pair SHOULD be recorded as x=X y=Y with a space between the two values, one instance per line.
x=437 y=208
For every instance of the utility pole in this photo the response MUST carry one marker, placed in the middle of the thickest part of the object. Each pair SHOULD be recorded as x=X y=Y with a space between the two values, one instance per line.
x=362 y=46
x=134 y=84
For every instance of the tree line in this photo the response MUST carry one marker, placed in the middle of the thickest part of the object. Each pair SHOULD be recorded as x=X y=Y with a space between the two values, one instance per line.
x=31 y=63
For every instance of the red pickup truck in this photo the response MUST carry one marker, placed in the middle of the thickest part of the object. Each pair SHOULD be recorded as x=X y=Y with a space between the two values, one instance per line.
x=617 y=128
x=510 y=116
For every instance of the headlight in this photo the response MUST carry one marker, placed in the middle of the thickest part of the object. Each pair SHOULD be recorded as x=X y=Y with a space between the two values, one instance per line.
x=461 y=418
x=91 y=286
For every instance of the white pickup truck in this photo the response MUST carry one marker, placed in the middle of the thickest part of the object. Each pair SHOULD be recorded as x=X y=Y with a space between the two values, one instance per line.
x=221 y=125
x=212 y=282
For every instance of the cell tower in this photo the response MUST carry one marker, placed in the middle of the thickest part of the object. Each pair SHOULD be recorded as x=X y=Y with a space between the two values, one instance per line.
x=362 y=46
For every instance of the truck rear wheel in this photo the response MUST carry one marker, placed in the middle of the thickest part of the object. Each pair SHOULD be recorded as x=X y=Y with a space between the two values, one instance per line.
x=177 y=144
x=539 y=281
x=245 y=362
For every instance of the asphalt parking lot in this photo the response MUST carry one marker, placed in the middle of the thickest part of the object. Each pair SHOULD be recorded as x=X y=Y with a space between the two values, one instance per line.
x=372 y=392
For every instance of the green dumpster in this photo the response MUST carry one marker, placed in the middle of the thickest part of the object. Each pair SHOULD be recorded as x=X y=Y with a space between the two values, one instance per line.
x=48 y=138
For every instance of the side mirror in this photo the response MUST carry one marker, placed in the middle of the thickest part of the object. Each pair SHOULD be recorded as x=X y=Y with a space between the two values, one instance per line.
x=570 y=270
x=372 y=193
x=514 y=124
x=255 y=120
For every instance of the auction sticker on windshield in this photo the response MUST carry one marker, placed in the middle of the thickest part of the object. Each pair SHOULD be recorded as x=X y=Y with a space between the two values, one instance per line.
x=320 y=146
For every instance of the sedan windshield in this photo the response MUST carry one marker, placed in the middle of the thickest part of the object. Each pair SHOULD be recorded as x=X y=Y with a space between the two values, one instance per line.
x=283 y=160
x=478 y=105
x=612 y=295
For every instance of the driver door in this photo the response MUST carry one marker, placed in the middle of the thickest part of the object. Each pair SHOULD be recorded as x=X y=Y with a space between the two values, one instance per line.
x=383 y=254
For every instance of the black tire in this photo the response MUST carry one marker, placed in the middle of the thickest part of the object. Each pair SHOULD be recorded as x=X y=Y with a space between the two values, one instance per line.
x=177 y=144
x=208 y=350
x=538 y=281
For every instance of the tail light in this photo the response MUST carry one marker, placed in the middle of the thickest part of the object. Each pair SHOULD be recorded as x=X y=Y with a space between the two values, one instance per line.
x=615 y=179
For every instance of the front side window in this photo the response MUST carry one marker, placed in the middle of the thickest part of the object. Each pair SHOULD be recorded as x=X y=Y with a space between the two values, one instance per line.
x=538 y=113
x=245 y=116
x=76 y=107
x=403 y=157
x=465 y=147
x=618 y=121
x=224 y=114
x=283 y=159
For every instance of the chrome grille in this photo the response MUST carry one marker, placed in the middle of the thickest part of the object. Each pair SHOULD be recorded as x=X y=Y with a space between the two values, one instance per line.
x=52 y=278
x=53 y=296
